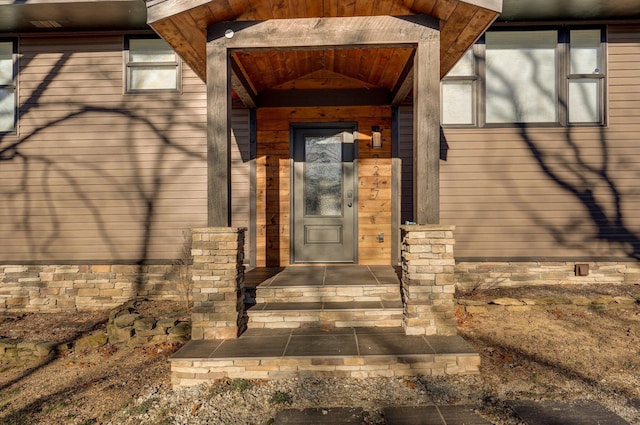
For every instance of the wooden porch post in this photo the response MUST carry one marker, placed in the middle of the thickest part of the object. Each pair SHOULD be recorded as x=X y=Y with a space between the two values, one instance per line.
x=218 y=136
x=426 y=132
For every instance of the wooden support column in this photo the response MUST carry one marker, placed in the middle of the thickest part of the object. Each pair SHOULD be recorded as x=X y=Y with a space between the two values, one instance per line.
x=426 y=132
x=219 y=135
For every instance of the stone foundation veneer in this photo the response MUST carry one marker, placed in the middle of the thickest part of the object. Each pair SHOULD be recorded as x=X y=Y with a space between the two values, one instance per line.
x=428 y=284
x=59 y=288
x=217 y=277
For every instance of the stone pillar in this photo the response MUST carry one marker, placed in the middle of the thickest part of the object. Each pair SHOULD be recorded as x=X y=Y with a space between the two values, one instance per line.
x=217 y=277
x=428 y=284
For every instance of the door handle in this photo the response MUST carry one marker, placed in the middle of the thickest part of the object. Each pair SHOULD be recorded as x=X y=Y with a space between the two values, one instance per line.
x=350 y=204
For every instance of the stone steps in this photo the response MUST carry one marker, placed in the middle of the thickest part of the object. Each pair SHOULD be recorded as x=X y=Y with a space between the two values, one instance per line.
x=326 y=314
x=337 y=352
x=331 y=297
x=327 y=293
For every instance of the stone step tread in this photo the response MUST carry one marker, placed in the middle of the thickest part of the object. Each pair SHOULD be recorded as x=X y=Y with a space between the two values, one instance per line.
x=322 y=352
x=324 y=306
x=333 y=284
x=326 y=342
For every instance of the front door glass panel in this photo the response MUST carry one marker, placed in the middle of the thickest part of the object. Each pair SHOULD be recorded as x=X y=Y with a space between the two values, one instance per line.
x=323 y=176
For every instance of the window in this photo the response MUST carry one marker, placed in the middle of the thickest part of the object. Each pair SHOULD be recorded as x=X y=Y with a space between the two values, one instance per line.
x=7 y=86
x=545 y=76
x=459 y=91
x=151 y=65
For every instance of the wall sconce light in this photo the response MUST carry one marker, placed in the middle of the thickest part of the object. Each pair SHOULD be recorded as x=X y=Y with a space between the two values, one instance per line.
x=376 y=137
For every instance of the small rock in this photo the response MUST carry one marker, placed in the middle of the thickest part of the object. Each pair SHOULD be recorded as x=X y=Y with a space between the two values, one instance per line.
x=506 y=301
x=471 y=302
x=603 y=299
x=126 y=320
x=181 y=329
x=144 y=324
x=624 y=300
x=166 y=323
x=91 y=341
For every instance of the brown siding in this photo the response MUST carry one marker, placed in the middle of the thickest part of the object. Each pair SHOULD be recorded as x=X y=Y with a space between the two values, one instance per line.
x=273 y=180
x=505 y=205
x=94 y=174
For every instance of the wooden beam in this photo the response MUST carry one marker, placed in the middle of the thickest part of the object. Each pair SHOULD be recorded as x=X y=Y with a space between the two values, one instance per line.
x=337 y=97
x=242 y=86
x=306 y=33
x=404 y=84
x=426 y=133
x=219 y=136
x=160 y=9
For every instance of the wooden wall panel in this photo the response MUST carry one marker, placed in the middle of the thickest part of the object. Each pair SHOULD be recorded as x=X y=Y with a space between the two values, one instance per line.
x=94 y=174
x=273 y=180
x=506 y=206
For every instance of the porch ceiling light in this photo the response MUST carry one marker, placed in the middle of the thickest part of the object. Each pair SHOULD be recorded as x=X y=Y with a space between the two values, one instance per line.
x=376 y=137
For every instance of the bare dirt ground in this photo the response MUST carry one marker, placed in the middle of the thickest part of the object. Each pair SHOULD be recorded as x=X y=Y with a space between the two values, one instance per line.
x=557 y=352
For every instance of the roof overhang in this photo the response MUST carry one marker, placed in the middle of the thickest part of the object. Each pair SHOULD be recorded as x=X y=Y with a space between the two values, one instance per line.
x=184 y=24
x=25 y=16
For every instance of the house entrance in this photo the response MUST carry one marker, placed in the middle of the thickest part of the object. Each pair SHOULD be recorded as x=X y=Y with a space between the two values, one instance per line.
x=324 y=195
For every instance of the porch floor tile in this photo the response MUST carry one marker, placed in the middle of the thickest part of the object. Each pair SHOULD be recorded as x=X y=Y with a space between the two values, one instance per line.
x=321 y=342
x=321 y=276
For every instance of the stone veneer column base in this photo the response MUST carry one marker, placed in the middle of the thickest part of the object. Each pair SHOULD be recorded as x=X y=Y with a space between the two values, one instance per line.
x=428 y=284
x=217 y=283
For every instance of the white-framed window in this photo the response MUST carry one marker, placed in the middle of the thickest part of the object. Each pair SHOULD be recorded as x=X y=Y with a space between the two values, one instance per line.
x=543 y=76
x=151 y=65
x=8 y=75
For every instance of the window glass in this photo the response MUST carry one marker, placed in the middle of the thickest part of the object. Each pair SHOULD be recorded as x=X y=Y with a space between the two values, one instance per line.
x=464 y=67
x=7 y=110
x=457 y=102
x=584 y=95
x=153 y=78
x=585 y=51
x=7 y=87
x=521 y=66
x=150 y=50
x=152 y=66
x=6 y=63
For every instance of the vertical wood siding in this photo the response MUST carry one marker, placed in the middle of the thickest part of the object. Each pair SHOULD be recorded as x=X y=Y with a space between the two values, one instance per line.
x=94 y=174
x=273 y=180
x=548 y=193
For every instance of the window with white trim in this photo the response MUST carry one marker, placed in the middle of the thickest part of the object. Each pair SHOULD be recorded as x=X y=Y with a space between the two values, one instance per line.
x=151 y=65
x=8 y=115
x=540 y=77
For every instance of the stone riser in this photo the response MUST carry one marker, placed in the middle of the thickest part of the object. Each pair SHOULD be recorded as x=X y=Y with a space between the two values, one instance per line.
x=195 y=372
x=327 y=294
x=325 y=318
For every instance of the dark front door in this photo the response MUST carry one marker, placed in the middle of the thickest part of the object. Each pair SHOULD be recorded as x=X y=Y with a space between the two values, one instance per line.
x=324 y=198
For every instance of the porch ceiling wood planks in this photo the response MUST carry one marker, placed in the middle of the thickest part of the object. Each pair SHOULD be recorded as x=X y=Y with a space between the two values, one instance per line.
x=183 y=24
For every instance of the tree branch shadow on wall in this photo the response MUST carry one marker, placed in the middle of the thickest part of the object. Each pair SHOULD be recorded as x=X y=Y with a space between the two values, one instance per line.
x=46 y=182
x=587 y=178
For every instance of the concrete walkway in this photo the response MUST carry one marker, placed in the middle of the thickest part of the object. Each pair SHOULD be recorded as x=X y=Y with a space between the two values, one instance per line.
x=578 y=412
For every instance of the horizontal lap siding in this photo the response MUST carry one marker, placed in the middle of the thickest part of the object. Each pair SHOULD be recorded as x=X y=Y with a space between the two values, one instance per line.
x=505 y=206
x=97 y=175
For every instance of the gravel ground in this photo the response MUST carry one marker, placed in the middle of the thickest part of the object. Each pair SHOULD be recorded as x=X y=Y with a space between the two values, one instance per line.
x=555 y=353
